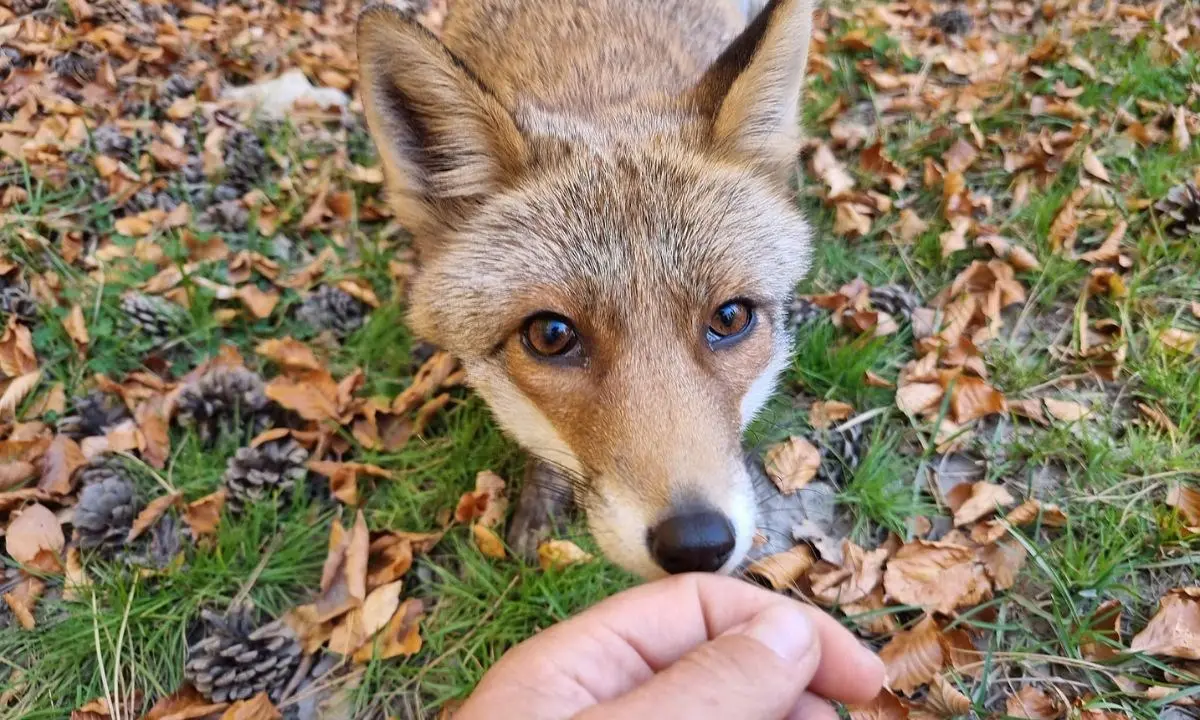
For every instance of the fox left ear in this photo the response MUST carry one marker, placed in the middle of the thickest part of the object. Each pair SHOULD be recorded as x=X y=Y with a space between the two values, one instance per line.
x=752 y=91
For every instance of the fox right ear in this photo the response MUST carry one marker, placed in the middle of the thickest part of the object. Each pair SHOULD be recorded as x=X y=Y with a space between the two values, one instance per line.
x=752 y=91
x=444 y=139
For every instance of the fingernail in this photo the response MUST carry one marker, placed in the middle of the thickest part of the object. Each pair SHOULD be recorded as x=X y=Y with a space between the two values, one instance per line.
x=786 y=630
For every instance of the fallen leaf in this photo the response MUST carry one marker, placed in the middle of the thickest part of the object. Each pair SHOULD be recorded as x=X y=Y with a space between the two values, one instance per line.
x=59 y=464
x=1186 y=500
x=16 y=472
x=260 y=303
x=1174 y=631
x=1104 y=626
x=16 y=349
x=984 y=499
x=400 y=638
x=885 y=706
x=792 y=464
x=955 y=238
x=289 y=353
x=873 y=380
x=784 y=569
x=1066 y=410
x=850 y=221
x=910 y=226
x=151 y=513
x=825 y=413
x=1065 y=225
x=35 y=538
x=859 y=575
x=972 y=398
x=75 y=580
x=76 y=326
x=1002 y=560
x=1181 y=341
x=1033 y=704
x=356 y=627
x=488 y=542
x=917 y=398
x=15 y=391
x=185 y=703
x=22 y=600
x=831 y=171
x=912 y=657
x=258 y=707
x=1109 y=250
x=1094 y=167
x=486 y=504
x=344 y=575
x=960 y=156
x=203 y=515
x=871 y=614
x=312 y=395
x=559 y=554
x=946 y=699
x=937 y=576
x=1158 y=418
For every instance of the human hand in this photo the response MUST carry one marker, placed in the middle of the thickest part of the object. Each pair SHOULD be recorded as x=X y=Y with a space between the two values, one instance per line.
x=694 y=647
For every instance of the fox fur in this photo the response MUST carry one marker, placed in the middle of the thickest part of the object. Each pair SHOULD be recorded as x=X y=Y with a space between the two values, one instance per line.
x=626 y=164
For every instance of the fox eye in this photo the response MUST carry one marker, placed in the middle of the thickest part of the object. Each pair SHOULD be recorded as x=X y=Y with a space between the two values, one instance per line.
x=729 y=322
x=547 y=335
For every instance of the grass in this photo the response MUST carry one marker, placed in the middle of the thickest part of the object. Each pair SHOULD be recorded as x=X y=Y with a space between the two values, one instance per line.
x=1109 y=473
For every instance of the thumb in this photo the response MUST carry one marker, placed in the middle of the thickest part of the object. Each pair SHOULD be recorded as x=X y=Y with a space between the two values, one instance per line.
x=756 y=671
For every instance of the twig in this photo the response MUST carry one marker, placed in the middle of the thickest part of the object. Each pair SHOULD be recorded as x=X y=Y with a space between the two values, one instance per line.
x=262 y=565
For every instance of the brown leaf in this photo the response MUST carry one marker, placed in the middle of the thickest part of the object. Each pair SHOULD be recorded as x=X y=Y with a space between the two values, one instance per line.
x=885 y=706
x=784 y=569
x=972 y=398
x=62 y=459
x=1033 y=704
x=185 y=703
x=792 y=464
x=134 y=225
x=15 y=391
x=936 y=576
x=488 y=542
x=75 y=579
x=1158 y=418
x=152 y=421
x=203 y=515
x=16 y=349
x=955 y=238
x=831 y=171
x=391 y=555
x=36 y=539
x=344 y=576
x=559 y=554
x=918 y=398
x=825 y=413
x=984 y=499
x=427 y=411
x=1094 y=167
x=312 y=394
x=76 y=326
x=1065 y=225
x=1110 y=249
x=850 y=220
x=55 y=400
x=1186 y=500
x=357 y=626
x=23 y=599
x=960 y=156
x=289 y=353
x=258 y=707
x=870 y=614
x=1002 y=560
x=151 y=513
x=486 y=504
x=946 y=699
x=859 y=575
x=1066 y=410
x=910 y=226
x=400 y=638
x=1181 y=341
x=1030 y=408
x=913 y=657
x=16 y=472
x=260 y=303
x=873 y=380
x=1103 y=643
x=1174 y=631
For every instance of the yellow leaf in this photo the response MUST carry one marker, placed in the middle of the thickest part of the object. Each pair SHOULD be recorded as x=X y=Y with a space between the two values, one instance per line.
x=151 y=513
x=784 y=569
x=488 y=542
x=75 y=325
x=15 y=391
x=558 y=554
x=203 y=515
x=792 y=464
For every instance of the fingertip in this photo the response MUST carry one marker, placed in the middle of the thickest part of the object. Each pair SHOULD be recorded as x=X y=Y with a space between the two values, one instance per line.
x=811 y=707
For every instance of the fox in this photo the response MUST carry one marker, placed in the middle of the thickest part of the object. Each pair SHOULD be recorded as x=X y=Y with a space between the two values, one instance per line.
x=601 y=200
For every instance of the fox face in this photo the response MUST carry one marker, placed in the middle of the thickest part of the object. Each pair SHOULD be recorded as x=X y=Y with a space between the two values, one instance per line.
x=612 y=277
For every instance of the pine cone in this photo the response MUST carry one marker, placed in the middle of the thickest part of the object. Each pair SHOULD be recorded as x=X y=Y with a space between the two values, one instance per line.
x=256 y=472
x=108 y=140
x=24 y=7
x=238 y=658
x=331 y=308
x=150 y=200
x=841 y=452
x=75 y=66
x=245 y=160
x=93 y=414
x=224 y=400
x=159 y=319
x=118 y=12
x=803 y=311
x=107 y=506
x=895 y=300
x=1181 y=210
x=17 y=300
x=953 y=22
x=178 y=86
x=228 y=216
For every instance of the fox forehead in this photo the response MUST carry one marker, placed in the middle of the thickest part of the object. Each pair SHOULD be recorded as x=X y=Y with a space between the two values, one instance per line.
x=601 y=236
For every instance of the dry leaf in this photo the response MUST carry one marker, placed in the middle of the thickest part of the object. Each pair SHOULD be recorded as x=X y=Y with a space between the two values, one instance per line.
x=1065 y=225
x=955 y=238
x=16 y=349
x=1186 y=500
x=870 y=614
x=919 y=398
x=913 y=657
x=75 y=580
x=344 y=575
x=1002 y=560
x=984 y=499
x=1033 y=704
x=260 y=303
x=1158 y=418
x=400 y=638
x=830 y=170
x=15 y=391
x=1110 y=249
x=1105 y=628
x=850 y=220
x=311 y=631
x=873 y=380
x=184 y=704
x=559 y=554
x=1181 y=341
x=1066 y=410
x=76 y=326
x=825 y=413
x=936 y=576
x=258 y=707
x=203 y=515
x=972 y=398
x=357 y=626
x=1092 y=164
x=859 y=575
x=23 y=599
x=290 y=354
x=1174 y=631
x=486 y=504
x=783 y=570
x=946 y=699
x=488 y=542
x=16 y=472
x=792 y=464
x=885 y=706
x=151 y=513
x=35 y=538
x=312 y=395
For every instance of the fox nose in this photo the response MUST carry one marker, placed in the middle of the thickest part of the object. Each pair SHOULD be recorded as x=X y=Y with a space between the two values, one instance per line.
x=692 y=541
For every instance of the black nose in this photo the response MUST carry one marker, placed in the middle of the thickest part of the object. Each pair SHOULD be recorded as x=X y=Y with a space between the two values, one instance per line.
x=692 y=541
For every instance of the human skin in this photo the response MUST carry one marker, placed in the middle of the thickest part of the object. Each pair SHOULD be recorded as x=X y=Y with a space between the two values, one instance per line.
x=694 y=647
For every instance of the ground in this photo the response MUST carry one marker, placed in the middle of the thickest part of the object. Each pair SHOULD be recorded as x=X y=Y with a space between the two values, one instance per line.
x=1020 y=171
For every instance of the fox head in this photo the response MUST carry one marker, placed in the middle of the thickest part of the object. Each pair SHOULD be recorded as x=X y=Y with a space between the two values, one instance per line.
x=614 y=280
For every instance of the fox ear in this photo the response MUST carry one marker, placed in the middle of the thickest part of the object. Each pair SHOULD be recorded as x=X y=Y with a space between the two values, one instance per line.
x=752 y=91
x=443 y=137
